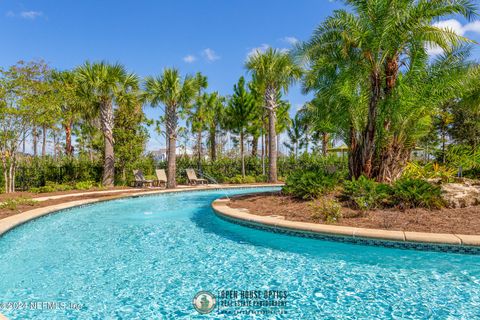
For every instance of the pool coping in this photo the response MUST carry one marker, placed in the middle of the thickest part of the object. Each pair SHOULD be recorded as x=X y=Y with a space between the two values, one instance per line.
x=445 y=242
x=11 y=222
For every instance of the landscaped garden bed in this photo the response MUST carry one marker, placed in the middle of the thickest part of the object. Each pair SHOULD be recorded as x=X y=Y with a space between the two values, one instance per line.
x=444 y=220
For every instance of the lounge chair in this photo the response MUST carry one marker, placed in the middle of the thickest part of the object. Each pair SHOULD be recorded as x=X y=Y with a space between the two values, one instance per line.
x=192 y=178
x=161 y=177
x=140 y=180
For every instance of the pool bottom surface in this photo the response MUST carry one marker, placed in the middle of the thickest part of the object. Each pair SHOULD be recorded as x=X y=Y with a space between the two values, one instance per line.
x=147 y=257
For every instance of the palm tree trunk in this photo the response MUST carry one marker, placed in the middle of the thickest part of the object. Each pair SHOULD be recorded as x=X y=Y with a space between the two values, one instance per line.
x=324 y=143
x=34 y=136
x=263 y=153
x=44 y=141
x=278 y=144
x=55 y=151
x=242 y=154
x=444 y=140
x=213 y=144
x=254 y=146
x=199 y=146
x=68 y=139
x=172 y=142
x=270 y=99
x=368 y=149
x=106 y=118
x=23 y=141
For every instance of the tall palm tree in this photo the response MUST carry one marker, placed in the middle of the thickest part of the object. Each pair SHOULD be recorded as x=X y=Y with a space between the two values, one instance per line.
x=283 y=119
x=71 y=103
x=296 y=135
x=176 y=95
x=215 y=117
x=104 y=83
x=372 y=41
x=274 y=71
x=197 y=116
x=239 y=113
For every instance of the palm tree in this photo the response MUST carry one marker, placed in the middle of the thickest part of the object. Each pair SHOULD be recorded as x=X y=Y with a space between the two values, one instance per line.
x=296 y=134
x=104 y=83
x=215 y=115
x=275 y=71
x=198 y=115
x=371 y=41
x=239 y=113
x=71 y=103
x=283 y=120
x=318 y=120
x=176 y=95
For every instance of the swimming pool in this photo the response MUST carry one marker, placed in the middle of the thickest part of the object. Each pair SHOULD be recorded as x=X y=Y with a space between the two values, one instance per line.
x=147 y=257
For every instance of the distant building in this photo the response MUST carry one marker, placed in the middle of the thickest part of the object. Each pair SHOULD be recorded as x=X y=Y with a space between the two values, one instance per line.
x=161 y=154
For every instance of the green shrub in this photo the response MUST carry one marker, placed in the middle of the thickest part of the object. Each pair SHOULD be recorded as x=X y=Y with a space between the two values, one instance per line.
x=261 y=178
x=414 y=193
x=84 y=185
x=59 y=186
x=51 y=187
x=238 y=179
x=429 y=171
x=326 y=209
x=310 y=184
x=365 y=194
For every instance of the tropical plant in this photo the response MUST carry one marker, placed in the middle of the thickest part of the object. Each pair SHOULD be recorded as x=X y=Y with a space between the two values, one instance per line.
x=357 y=55
x=104 y=84
x=414 y=193
x=197 y=115
x=365 y=194
x=176 y=94
x=274 y=71
x=240 y=112
x=69 y=98
x=215 y=118
x=283 y=120
x=129 y=133
x=296 y=133
x=304 y=184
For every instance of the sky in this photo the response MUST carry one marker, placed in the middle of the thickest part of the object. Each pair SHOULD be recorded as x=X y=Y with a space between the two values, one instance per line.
x=210 y=36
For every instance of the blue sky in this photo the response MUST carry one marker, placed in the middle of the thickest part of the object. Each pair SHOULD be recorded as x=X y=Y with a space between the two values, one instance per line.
x=210 y=36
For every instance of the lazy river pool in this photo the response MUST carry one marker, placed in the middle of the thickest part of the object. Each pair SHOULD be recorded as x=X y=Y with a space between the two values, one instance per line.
x=147 y=257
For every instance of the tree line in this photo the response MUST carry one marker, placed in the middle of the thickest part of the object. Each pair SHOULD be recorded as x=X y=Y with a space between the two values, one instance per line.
x=375 y=87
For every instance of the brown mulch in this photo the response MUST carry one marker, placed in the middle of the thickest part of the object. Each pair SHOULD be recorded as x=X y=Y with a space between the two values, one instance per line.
x=460 y=221
x=5 y=212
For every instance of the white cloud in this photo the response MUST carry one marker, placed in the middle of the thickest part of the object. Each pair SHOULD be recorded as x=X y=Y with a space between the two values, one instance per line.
x=455 y=26
x=261 y=49
x=264 y=47
x=290 y=40
x=189 y=59
x=210 y=55
x=472 y=27
x=30 y=14
x=24 y=14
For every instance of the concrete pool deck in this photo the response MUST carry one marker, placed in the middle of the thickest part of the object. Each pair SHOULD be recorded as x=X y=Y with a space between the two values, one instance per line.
x=278 y=223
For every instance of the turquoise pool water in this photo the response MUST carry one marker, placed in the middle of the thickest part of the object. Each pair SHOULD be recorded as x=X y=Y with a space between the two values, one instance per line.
x=147 y=257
